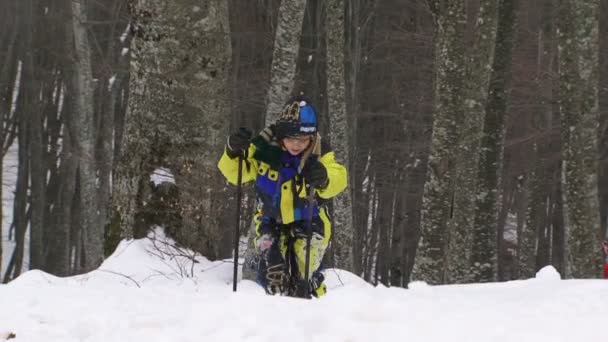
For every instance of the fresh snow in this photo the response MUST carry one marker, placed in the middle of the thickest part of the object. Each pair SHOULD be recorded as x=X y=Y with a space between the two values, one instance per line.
x=149 y=290
x=162 y=175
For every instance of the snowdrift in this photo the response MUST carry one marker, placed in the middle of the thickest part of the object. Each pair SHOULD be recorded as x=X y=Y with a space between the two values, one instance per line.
x=149 y=290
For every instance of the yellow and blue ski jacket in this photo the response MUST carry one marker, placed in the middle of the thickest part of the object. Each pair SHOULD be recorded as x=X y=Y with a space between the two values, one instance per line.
x=281 y=191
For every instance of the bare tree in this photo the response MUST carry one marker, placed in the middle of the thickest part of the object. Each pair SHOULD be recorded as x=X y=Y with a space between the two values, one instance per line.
x=578 y=72
x=478 y=66
x=15 y=265
x=285 y=54
x=9 y=76
x=603 y=117
x=485 y=237
x=177 y=117
x=84 y=133
x=431 y=264
x=343 y=242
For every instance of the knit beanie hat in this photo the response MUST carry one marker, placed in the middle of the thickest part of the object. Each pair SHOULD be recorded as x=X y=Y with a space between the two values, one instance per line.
x=298 y=118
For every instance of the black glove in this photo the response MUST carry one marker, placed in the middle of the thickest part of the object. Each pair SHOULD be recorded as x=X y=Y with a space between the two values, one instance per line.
x=268 y=133
x=267 y=149
x=315 y=174
x=238 y=142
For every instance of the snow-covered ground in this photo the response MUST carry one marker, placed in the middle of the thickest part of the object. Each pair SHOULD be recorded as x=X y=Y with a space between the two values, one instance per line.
x=141 y=294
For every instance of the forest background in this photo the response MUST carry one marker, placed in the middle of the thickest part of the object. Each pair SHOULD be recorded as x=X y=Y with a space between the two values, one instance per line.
x=474 y=131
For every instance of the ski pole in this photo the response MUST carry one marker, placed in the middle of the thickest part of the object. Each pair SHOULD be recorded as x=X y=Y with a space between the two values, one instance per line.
x=311 y=203
x=237 y=233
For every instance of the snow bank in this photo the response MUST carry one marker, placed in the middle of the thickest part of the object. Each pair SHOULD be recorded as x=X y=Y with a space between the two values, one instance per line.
x=139 y=295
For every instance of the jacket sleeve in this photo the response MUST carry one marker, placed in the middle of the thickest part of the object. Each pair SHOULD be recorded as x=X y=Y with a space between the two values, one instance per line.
x=336 y=174
x=230 y=167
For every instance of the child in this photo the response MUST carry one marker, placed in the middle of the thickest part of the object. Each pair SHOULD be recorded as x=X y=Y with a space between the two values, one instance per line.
x=285 y=161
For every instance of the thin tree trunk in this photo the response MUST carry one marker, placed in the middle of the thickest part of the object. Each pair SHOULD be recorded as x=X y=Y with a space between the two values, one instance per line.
x=60 y=215
x=558 y=242
x=8 y=81
x=339 y=133
x=521 y=209
x=20 y=203
x=384 y=227
x=603 y=118
x=505 y=207
x=363 y=208
x=528 y=239
x=33 y=80
x=372 y=236
x=83 y=126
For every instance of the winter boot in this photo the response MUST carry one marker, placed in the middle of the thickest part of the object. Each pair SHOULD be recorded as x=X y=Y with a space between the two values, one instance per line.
x=317 y=288
x=272 y=271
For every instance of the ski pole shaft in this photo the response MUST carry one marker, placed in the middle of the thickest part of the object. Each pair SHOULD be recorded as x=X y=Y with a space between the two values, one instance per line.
x=237 y=233
x=311 y=203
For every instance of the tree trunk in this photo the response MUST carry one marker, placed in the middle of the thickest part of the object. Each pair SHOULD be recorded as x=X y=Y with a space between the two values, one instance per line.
x=59 y=242
x=535 y=236
x=285 y=55
x=62 y=165
x=603 y=107
x=485 y=238
x=558 y=257
x=339 y=133
x=527 y=238
x=178 y=114
x=431 y=264
x=8 y=73
x=461 y=225
x=578 y=72
x=33 y=84
x=83 y=128
x=20 y=203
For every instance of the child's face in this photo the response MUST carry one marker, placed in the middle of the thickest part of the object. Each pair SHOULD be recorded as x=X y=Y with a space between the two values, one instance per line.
x=296 y=145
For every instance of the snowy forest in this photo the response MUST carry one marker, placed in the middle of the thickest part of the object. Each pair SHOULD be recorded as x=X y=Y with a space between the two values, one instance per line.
x=475 y=132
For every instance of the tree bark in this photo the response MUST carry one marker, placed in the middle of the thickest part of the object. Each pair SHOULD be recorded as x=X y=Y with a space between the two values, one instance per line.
x=177 y=117
x=60 y=215
x=578 y=72
x=8 y=75
x=284 y=57
x=33 y=84
x=603 y=124
x=431 y=264
x=479 y=61
x=84 y=132
x=339 y=133
x=485 y=238
x=20 y=219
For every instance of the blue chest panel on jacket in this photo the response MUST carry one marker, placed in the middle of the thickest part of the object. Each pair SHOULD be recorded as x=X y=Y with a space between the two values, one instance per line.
x=288 y=171
x=269 y=191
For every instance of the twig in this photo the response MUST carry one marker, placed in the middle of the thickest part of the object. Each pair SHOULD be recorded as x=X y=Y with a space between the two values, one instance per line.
x=218 y=265
x=154 y=275
x=120 y=274
x=7 y=335
x=338 y=275
x=171 y=251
